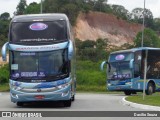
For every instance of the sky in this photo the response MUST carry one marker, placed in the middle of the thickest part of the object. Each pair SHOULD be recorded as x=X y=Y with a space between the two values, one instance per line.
x=154 y=5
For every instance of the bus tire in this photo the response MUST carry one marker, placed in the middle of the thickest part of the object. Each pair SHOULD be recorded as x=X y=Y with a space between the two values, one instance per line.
x=67 y=103
x=150 y=89
x=73 y=98
x=20 y=104
x=127 y=92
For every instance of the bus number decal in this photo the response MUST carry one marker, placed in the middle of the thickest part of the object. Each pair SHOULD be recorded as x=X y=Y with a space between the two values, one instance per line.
x=28 y=74
x=119 y=76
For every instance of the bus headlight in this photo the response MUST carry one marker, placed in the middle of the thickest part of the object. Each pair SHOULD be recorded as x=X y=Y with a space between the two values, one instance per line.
x=109 y=84
x=65 y=93
x=128 y=83
x=62 y=86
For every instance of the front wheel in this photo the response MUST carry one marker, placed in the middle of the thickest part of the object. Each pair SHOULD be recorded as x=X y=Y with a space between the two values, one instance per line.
x=150 y=89
x=127 y=92
x=67 y=103
x=73 y=98
x=20 y=104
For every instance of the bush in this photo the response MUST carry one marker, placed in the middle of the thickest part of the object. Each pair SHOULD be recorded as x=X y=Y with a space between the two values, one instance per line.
x=4 y=74
x=90 y=77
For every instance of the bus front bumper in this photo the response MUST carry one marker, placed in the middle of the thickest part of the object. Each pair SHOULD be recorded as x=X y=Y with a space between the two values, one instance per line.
x=63 y=94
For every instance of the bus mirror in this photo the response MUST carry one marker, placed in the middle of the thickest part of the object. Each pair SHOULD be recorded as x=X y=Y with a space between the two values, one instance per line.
x=70 y=50
x=131 y=63
x=102 y=65
x=4 y=51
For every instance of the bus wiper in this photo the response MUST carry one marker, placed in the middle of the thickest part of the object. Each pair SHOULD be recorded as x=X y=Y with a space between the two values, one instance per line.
x=61 y=75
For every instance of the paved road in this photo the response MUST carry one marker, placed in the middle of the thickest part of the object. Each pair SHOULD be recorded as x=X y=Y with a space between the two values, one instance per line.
x=83 y=102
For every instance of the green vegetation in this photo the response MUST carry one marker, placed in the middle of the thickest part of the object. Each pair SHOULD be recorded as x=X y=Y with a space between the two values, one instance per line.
x=32 y=8
x=4 y=74
x=149 y=100
x=151 y=39
x=21 y=7
x=4 y=78
x=89 y=77
x=139 y=17
x=4 y=27
x=4 y=87
x=87 y=50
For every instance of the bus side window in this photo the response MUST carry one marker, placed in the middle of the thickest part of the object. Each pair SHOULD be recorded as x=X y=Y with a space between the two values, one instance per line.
x=137 y=63
x=136 y=70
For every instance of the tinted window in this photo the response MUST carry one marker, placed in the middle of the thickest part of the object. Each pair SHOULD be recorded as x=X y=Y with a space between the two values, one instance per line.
x=38 y=32
x=39 y=65
x=121 y=57
x=120 y=70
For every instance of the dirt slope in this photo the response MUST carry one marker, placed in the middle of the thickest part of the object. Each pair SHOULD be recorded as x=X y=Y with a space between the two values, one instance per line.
x=2 y=62
x=94 y=25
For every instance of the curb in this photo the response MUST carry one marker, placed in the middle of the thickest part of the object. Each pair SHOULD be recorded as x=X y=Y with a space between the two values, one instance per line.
x=141 y=106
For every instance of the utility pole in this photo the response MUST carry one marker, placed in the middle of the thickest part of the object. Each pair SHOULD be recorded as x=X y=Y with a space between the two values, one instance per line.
x=41 y=7
x=145 y=72
x=143 y=24
x=146 y=55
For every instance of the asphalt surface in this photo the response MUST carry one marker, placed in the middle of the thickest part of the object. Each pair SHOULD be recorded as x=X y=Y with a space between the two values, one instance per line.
x=83 y=102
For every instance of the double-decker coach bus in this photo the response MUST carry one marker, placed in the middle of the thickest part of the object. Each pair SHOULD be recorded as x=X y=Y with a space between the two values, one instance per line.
x=125 y=71
x=41 y=59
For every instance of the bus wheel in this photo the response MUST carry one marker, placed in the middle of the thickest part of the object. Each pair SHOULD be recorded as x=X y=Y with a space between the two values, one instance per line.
x=73 y=98
x=67 y=103
x=127 y=92
x=150 y=89
x=20 y=103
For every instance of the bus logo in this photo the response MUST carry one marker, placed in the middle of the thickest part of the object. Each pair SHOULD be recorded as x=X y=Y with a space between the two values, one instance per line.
x=120 y=57
x=38 y=26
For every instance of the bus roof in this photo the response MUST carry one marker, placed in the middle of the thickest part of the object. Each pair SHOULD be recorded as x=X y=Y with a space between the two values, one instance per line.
x=40 y=17
x=135 y=49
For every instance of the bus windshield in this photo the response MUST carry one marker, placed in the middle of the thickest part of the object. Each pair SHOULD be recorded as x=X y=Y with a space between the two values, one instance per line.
x=48 y=66
x=45 y=32
x=119 y=70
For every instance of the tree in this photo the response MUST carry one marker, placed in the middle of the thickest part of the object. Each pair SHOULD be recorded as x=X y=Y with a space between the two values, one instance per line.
x=21 y=7
x=5 y=16
x=120 y=11
x=151 y=39
x=88 y=44
x=51 y=6
x=157 y=24
x=101 y=44
x=99 y=5
x=33 y=8
x=71 y=11
x=4 y=26
x=137 y=15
